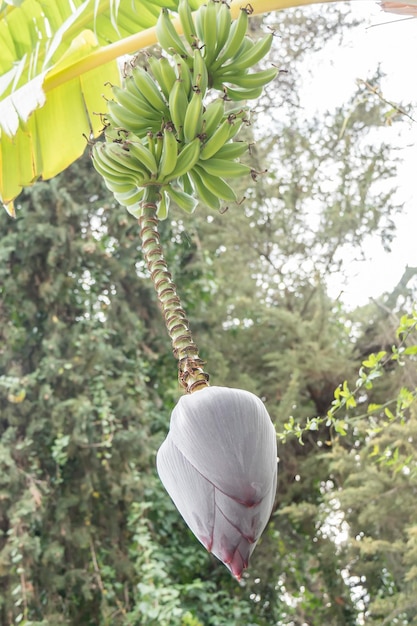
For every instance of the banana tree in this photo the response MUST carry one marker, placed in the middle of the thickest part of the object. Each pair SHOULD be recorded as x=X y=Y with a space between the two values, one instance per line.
x=169 y=135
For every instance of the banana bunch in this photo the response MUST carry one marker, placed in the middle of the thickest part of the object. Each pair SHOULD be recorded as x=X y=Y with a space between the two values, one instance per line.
x=228 y=53
x=183 y=171
x=161 y=133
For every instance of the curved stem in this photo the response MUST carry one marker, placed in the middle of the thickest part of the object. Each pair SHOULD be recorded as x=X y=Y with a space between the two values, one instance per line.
x=191 y=374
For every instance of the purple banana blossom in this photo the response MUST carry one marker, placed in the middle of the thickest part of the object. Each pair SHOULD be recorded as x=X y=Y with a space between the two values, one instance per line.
x=219 y=465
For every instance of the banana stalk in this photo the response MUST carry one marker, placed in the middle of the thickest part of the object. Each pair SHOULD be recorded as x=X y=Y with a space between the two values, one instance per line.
x=190 y=367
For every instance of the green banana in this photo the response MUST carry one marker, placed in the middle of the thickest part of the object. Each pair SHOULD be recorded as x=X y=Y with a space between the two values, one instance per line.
x=134 y=196
x=249 y=58
x=113 y=170
x=193 y=118
x=232 y=150
x=187 y=23
x=185 y=201
x=216 y=184
x=119 y=116
x=235 y=127
x=110 y=176
x=167 y=36
x=217 y=140
x=213 y=116
x=237 y=33
x=133 y=104
x=183 y=73
x=115 y=179
x=150 y=139
x=149 y=89
x=199 y=22
x=122 y=157
x=159 y=143
x=130 y=86
x=135 y=209
x=164 y=74
x=245 y=47
x=210 y=32
x=249 y=81
x=186 y=184
x=169 y=154
x=224 y=168
x=243 y=94
x=140 y=152
x=187 y=159
x=224 y=23
x=163 y=206
x=206 y=196
x=200 y=75
x=178 y=103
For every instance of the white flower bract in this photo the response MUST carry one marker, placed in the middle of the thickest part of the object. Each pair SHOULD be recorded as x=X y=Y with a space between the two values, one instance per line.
x=219 y=465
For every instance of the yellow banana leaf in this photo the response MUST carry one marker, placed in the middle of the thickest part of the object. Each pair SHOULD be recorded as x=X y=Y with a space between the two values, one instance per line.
x=58 y=59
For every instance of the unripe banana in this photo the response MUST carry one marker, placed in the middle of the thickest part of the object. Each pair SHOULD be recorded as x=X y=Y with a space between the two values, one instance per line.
x=213 y=116
x=119 y=187
x=224 y=23
x=150 y=140
x=248 y=59
x=248 y=81
x=167 y=35
x=129 y=198
x=193 y=119
x=183 y=73
x=122 y=118
x=199 y=22
x=186 y=184
x=200 y=75
x=184 y=200
x=113 y=170
x=130 y=86
x=210 y=32
x=235 y=127
x=140 y=152
x=217 y=140
x=124 y=161
x=159 y=143
x=236 y=35
x=242 y=94
x=217 y=185
x=109 y=175
x=163 y=206
x=187 y=23
x=245 y=47
x=169 y=154
x=132 y=103
x=206 y=196
x=163 y=73
x=187 y=159
x=224 y=168
x=150 y=91
x=232 y=150
x=178 y=103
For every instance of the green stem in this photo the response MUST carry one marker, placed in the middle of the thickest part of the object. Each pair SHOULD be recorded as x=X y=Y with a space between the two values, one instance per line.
x=190 y=371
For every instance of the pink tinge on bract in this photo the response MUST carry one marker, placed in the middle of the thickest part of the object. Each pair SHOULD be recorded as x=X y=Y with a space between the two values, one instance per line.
x=219 y=465
x=400 y=8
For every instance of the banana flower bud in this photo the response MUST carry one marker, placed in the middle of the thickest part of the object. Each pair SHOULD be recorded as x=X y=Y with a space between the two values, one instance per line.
x=219 y=465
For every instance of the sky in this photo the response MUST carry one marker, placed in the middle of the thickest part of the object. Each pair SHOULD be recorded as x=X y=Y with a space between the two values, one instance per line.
x=389 y=40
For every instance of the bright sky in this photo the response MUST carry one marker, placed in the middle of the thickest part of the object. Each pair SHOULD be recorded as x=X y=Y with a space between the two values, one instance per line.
x=333 y=72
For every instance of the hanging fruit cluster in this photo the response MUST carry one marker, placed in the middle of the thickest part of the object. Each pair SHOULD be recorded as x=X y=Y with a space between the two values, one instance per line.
x=171 y=126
